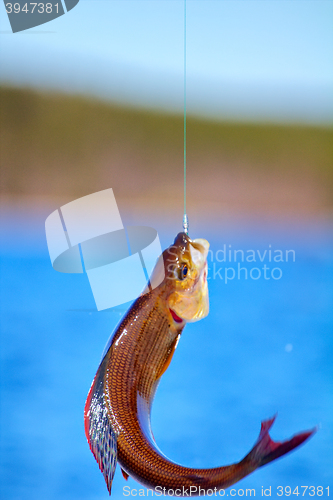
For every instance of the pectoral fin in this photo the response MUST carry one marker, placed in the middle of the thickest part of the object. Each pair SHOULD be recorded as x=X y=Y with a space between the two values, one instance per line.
x=100 y=435
x=170 y=356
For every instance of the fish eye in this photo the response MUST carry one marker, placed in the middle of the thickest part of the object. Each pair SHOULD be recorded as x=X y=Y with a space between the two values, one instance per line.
x=182 y=271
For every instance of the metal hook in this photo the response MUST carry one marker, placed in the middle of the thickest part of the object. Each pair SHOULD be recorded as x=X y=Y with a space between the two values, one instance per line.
x=185 y=224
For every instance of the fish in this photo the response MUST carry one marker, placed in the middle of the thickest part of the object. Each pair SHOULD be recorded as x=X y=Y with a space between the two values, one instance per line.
x=118 y=406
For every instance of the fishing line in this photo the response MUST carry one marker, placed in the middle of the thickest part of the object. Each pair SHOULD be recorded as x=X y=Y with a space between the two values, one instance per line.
x=185 y=218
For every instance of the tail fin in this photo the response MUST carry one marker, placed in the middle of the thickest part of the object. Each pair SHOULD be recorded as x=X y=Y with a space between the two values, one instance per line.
x=266 y=450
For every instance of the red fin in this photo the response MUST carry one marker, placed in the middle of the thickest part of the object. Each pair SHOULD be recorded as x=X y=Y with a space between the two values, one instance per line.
x=125 y=475
x=266 y=450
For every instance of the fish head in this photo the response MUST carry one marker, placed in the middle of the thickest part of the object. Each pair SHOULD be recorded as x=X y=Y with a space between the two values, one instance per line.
x=186 y=270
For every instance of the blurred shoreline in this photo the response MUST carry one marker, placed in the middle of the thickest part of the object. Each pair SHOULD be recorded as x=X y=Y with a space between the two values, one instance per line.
x=167 y=211
x=56 y=148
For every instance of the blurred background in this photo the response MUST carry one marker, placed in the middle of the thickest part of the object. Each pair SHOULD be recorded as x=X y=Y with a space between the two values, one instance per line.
x=93 y=100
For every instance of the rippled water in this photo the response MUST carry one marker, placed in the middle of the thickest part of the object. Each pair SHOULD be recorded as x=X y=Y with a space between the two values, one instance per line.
x=265 y=347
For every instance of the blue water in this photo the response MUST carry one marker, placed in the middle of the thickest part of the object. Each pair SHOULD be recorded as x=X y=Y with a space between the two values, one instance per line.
x=265 y=347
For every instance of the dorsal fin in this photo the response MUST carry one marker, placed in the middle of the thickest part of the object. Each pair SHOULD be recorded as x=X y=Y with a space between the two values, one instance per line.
x=100 y=435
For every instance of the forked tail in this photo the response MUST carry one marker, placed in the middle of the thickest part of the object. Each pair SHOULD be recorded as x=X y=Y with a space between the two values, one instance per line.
x=266 y=450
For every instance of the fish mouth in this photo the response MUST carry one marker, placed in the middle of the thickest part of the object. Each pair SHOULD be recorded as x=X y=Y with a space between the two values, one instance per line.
x=190 y=301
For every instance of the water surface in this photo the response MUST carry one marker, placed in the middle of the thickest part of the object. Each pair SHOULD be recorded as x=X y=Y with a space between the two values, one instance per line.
x=265 y=347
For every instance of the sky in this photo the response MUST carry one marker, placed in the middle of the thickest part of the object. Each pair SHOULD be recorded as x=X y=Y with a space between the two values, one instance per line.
x=246 y=59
